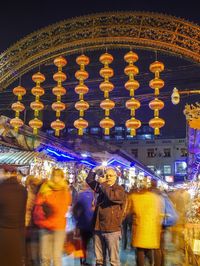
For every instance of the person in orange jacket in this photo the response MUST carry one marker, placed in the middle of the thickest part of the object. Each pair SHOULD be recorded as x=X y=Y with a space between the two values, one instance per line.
x=49 y=215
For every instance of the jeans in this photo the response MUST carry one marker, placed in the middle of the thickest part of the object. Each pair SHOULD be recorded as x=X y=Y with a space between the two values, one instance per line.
x=51 y=247
x=107 y=241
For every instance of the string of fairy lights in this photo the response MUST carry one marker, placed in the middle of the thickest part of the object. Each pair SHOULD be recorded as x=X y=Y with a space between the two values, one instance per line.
x=106 y=86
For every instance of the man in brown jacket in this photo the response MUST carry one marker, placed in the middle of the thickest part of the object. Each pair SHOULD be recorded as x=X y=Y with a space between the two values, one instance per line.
x=108 y=216
x=13 y=198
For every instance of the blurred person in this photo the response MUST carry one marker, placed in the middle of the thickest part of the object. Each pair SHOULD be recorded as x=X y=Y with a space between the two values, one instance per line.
x=13 y=197
x=147 y=209
x=83 y=211
x=108 y=215
x=53 y=199
x=32 y=184
x=180 y=198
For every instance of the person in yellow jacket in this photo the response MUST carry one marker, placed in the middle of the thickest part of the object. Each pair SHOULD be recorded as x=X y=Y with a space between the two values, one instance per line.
x=147 y=209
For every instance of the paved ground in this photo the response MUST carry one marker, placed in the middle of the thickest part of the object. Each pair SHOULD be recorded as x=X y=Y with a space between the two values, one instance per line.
x=174 y=257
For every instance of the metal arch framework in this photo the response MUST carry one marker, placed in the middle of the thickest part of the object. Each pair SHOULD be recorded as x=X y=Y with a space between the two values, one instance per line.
x=116 y=29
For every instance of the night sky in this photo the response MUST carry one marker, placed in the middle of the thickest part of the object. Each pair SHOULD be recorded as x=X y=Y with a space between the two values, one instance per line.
x=18 y=20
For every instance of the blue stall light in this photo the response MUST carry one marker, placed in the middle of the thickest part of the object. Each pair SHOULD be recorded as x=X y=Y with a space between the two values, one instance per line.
x=84 y=155
x=67 y=156
x=114 y=161
x=57 y=154
x=86 y=162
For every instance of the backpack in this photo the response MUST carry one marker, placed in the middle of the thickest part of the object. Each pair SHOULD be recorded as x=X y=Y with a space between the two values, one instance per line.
x=170 y=215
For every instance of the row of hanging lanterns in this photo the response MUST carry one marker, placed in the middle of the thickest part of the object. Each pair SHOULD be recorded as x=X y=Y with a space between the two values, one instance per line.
x=59 y=91
x=157 y=83
x=131 y=85
x=106 y=86
x=81 y=89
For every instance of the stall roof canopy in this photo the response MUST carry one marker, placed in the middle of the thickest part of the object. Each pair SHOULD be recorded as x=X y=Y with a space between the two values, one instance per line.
x=20 y=158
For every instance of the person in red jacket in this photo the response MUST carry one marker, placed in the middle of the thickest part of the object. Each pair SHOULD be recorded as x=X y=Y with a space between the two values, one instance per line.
x=54 y=199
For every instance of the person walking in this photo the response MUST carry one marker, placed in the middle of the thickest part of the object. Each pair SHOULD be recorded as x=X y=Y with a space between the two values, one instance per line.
x=147 y=208
x=13 y=197
x=49 y=215
x=83 y=211
x=108 y=215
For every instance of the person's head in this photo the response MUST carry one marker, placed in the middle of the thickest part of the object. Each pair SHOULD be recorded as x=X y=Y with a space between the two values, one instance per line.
x=111 y=176
x=57 y=175
x=33 y=182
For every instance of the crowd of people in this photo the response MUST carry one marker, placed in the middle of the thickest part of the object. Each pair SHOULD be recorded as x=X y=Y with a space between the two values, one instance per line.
x=33 y=218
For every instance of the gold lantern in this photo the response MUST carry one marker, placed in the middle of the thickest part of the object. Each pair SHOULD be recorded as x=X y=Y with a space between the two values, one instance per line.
x=133 y=105
x=156 y=105
x=81 y=106
x=19 y=91
x=131 y=85
x=106 y=86
x=59 y=91
x=156 y=123
x=58 y=107
x=57 y=125
x=133 y=124
x=37 y=106
x=16 y=123
x=18 y=107
x=107 y=124
x=35 y=124
x=107 y=105
x=81 y=89
x=80 y=124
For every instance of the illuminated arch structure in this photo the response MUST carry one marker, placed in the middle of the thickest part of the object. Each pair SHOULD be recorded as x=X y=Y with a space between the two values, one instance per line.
x=115 y=29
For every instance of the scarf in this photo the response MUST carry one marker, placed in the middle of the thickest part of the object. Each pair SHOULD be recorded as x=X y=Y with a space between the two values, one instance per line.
x=50 y=186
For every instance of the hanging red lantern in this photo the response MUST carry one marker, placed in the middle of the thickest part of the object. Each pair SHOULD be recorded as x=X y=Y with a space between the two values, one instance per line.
x=81 y=89
x=133 y=124
x=156 y=123
x=19 y=91
x=37 y=106
x=17 y=107
x=58 y=107
x=156 y=105
x=35 y=124
x=133 y=105
x=82 y=60
x=59 y=91
x=106 y=87
x=156 y=67
x=60 y=62
x=107 y=123
x=57 y=126
x=16 y=123
x=37 y=92
x=131 y=57
x=59 y=76
x=107 y=105
x=132 y=85
x=131 y=70
x=38 y=78
x=106 y=72
x=80 y=124
x=106 y=58
x=81 y=106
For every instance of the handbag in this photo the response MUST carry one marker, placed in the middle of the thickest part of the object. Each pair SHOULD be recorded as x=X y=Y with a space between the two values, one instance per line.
x=170 y=215
x=73 y=245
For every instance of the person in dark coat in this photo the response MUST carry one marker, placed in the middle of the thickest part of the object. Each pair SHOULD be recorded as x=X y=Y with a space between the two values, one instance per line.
x=108 y=215
x=83 y=211
x=13 y=198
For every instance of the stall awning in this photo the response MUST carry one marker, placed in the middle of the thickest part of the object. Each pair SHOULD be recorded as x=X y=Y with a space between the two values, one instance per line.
x=18 y=158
